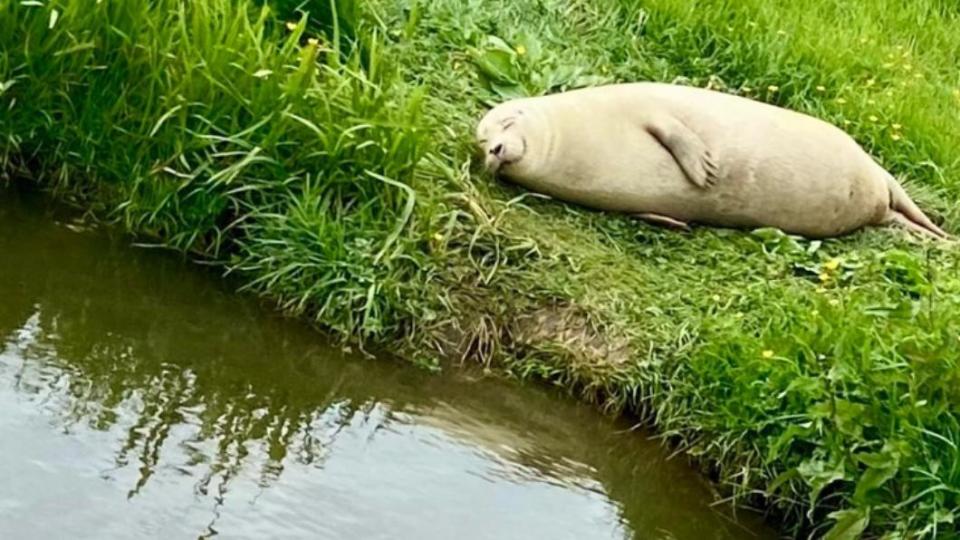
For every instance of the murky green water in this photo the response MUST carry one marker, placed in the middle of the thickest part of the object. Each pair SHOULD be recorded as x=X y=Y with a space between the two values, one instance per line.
x=139 y=398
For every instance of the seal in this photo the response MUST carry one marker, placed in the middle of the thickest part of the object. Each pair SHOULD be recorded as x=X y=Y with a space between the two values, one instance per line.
x=677 y=155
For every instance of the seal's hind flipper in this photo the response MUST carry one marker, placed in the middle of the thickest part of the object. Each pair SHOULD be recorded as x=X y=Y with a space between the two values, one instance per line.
x=661 y=219
x=687 y=148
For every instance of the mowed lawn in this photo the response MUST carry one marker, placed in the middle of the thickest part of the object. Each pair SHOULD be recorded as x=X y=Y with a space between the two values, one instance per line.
x=816 y=379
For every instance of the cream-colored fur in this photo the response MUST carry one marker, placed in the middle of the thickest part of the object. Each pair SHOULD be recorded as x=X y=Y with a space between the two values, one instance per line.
x=678 y=154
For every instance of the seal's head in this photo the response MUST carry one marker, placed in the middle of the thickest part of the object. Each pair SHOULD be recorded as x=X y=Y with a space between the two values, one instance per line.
x=501 y=138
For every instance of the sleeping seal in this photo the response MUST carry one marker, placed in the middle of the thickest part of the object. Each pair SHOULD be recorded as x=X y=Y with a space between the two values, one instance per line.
x=675 y=155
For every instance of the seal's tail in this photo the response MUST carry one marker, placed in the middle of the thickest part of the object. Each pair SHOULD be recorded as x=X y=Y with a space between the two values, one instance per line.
x=902 y=204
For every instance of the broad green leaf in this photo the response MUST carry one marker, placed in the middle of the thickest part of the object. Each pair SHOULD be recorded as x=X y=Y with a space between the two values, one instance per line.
x=818 y=475
x=780 y=480
x=496 y=43
x=496 y=66
x=849 y=417
x=849 y=525
x=530 y=46
x=872 y=479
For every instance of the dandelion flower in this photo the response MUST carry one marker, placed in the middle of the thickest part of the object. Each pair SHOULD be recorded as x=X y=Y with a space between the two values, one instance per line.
x=767 y=353
x=832 y=264
x=521 y=50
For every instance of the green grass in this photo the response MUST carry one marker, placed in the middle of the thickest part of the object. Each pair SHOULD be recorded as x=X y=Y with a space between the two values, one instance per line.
x=816 y=379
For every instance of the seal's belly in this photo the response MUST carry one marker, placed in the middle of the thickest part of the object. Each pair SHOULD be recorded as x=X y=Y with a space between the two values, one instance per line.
x=621 y=171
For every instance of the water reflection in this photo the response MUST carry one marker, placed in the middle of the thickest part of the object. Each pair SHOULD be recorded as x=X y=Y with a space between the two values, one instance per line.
x=141 y=399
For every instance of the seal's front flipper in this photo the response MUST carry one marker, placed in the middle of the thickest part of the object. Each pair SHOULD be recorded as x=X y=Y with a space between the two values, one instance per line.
x=663 y=220
x=687 y=148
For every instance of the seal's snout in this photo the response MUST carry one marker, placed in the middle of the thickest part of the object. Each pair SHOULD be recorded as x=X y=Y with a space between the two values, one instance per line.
x=504 y=150
x=501 y=140
x=494 y=157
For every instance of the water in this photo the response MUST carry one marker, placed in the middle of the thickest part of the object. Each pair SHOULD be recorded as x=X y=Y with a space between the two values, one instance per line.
x=140 y=398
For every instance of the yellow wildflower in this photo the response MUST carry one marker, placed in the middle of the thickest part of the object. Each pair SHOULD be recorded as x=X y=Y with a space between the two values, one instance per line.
x=438 y=237
x=832 y=264
x=291 y=26
x=896 y=126
x=841 y=101
x=521 y=50
x=896 y=136
x=716 y=298
x=768 y=353
x=821 y=88
x=873 y=118
x=824 y=277
x=773 y=88
x=834 y=302
x=313 y=41
x=871 y=82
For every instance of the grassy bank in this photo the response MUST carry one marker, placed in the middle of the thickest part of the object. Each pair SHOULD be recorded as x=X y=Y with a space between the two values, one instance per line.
x=816 y=378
